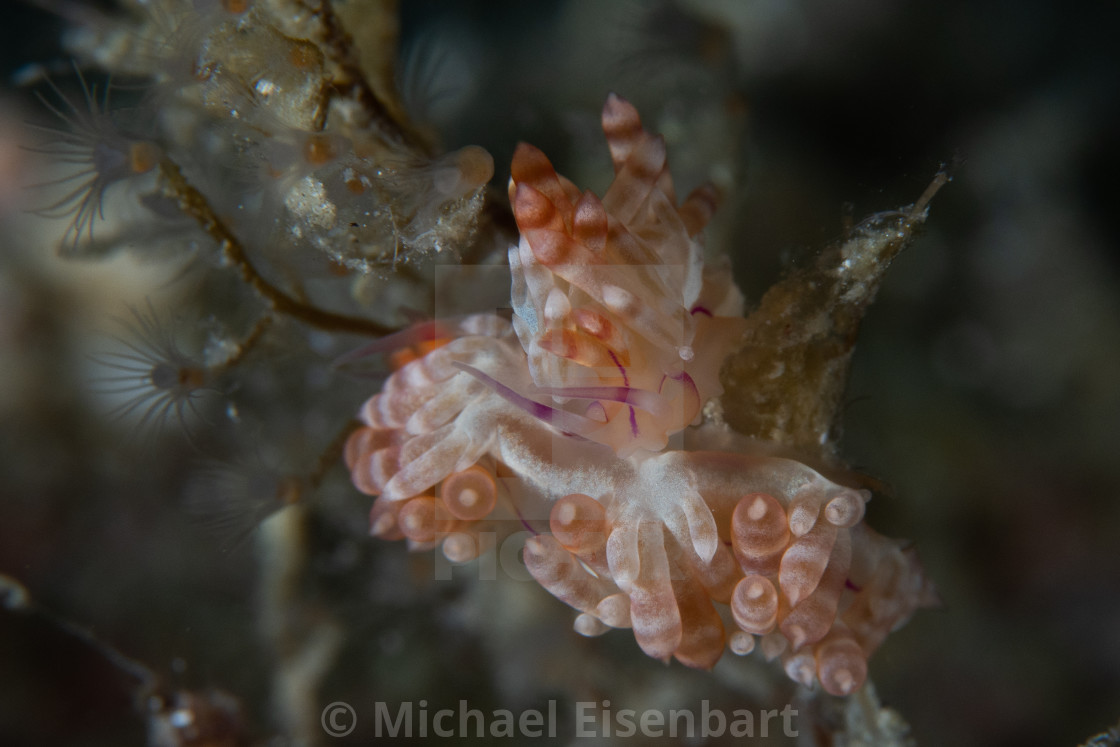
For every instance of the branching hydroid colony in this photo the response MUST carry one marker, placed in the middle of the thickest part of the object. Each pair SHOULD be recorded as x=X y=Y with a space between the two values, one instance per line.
x=594 y=417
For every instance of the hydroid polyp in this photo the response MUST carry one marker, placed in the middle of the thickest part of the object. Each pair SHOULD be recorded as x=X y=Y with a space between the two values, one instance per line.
x=153 y=375
x=98 y=152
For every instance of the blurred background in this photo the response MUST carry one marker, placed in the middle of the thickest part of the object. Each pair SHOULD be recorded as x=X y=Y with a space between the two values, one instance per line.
x=985 y=390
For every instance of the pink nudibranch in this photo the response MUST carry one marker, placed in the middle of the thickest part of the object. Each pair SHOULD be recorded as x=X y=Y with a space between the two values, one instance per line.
x=567 y=415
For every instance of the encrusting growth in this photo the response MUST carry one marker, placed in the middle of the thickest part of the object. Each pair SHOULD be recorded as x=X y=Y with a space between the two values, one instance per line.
x=589 y=406
x=785 y=382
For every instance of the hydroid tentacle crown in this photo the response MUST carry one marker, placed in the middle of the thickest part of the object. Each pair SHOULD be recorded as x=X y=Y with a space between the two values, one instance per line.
x=99 y=154
x=153 y=373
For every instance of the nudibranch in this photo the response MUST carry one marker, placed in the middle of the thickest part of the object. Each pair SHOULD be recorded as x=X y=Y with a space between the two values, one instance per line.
x=588 y=409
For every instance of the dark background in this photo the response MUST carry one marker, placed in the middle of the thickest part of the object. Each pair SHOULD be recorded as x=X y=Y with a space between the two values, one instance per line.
x=984 y=391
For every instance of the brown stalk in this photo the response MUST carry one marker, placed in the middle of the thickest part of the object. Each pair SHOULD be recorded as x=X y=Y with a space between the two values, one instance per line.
x=339 y=46
x=194 y=204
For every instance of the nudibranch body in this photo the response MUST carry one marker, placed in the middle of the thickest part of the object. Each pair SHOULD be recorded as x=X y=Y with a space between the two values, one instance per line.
x=587 y=409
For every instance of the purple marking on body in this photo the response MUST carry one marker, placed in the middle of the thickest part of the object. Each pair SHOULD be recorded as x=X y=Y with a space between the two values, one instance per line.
x=625 y=378
x=568 y=422
x=525 y=522
x=640 y=398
